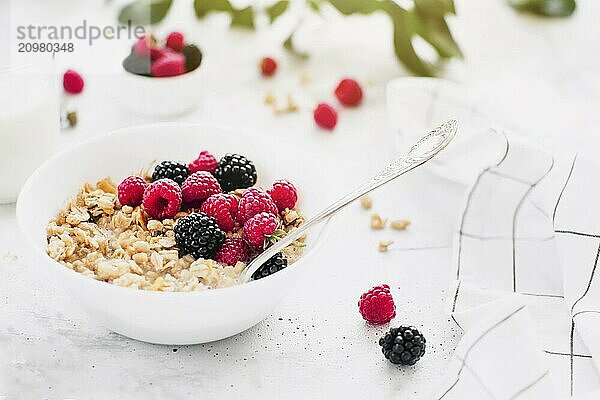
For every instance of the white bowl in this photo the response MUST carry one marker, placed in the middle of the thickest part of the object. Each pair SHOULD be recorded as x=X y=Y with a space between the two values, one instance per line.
x=159 y=98
x=157 y=317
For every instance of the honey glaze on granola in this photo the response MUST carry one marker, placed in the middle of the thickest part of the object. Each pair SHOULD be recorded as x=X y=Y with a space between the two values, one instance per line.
x=97 y=237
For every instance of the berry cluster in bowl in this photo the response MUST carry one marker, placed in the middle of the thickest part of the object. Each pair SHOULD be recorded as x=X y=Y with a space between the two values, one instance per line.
x=173 y=57
x=180 y=227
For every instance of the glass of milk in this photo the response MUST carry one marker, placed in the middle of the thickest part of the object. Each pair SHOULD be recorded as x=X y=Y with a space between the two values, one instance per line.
x=29 y=121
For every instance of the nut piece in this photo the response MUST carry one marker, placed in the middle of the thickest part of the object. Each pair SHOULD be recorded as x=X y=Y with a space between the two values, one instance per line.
x=270 y=99
x=400 y=224
x=384 y=244
x=366 y=202
x=377 y=222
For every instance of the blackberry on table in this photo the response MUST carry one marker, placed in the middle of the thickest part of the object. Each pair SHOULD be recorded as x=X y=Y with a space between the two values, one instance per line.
x=171 y=170
x=198 y=235
x=404 y=345
x=235 y=172
x=272 y=265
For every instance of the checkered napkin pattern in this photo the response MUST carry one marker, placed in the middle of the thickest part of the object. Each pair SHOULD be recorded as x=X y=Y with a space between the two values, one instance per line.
x=525 y=288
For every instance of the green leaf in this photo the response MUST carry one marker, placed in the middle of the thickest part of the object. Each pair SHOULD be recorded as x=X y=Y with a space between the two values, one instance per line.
x=277 y=9
x=546 y=8
x=289 y=46
x=435 y=31
x=243 y=18
x=349 y=7
x=145 y=12
x=403 y=40
x=435 y=8
x=403 y=29
x=314 y=5
x=203 y=7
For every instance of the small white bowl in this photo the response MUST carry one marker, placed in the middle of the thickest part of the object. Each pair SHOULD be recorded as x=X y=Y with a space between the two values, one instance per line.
x=160 y=98
x=164 y=317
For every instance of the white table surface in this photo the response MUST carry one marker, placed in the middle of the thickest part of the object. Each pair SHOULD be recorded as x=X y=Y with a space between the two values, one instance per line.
x=541 y=75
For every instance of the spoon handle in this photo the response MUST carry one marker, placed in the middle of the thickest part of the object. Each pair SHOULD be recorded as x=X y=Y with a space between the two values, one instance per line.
x=421 y=152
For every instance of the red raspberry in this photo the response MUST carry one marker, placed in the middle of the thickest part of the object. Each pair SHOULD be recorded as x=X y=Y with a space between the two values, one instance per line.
x=175 y=41
x=377 y=305
x=146 y=46
x=131 y=191
x=232 y=251
x=268 y=66
x=260 y=226
x=170 y=64
x=73 y=82
x=254 y=201
x=198 y=187
x=204 y=162
x=325 y=116
x=348 y=92
x=162 y=199
x=222 y=207
x=284 y=194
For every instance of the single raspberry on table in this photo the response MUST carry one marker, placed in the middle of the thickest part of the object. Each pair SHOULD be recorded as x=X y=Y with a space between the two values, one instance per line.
x=268 y=66
x=284 y=194
x=204 y=162
x=325 y=116
x=377 y=305
x=162 y=199
x=222 y=207
x=260 y=227
x=232 y=251
x=198 y=187
x=349 y=92
x=131 y=191
x=175 y=41
x=254 y=201
x=170 y=64
x=73 y=82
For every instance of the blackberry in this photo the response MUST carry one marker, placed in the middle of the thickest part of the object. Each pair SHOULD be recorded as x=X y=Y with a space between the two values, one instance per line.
x=193 y=57
x=235 y=172
x=273 y=264
x=171 y=170
x=137 y=65
x=198 y=235
x=404 y=345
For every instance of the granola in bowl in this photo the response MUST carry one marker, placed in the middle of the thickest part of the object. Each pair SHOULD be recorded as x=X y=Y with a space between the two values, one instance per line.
x=182 y=228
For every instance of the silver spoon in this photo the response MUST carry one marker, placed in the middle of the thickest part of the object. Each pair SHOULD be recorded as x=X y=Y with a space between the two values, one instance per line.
x=421 y=152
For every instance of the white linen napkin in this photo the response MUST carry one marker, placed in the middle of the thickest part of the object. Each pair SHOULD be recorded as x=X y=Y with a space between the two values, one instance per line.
x=526 y=247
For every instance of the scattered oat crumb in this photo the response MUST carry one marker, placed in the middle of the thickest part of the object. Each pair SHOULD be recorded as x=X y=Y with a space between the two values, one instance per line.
x=304 y=79
x=377 y=222
x=400 y=224
x=290 y=107
x=384 y=244
x=9 y=257
x=291 y=104
x=366 y=202
x=270 y=98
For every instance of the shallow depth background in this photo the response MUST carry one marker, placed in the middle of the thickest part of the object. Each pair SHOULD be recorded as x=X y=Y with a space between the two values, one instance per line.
x=543 y=76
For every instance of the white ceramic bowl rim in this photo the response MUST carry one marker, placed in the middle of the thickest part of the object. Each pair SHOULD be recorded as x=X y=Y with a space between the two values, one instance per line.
x=27 y=187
